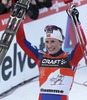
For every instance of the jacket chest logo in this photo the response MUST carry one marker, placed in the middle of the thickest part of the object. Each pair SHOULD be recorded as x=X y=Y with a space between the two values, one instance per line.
x=55 y=62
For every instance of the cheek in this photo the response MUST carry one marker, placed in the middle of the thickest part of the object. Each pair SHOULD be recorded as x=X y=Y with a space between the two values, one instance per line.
x=46 y=45
x=58 y=46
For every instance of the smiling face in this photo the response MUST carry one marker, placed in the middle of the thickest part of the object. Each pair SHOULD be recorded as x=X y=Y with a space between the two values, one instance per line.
x=52 y=45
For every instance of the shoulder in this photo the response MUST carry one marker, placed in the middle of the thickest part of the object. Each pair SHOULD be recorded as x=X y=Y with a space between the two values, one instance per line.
x=41 y=51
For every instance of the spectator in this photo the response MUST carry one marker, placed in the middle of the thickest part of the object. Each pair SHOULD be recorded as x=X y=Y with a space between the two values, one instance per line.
x=5 y=6
x=35 y=5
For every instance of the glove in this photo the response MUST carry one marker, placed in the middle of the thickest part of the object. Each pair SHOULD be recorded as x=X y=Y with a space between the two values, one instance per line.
x=74 y=13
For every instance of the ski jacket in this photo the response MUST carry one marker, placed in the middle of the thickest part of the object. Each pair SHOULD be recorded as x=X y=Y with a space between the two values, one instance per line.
x=56 y=72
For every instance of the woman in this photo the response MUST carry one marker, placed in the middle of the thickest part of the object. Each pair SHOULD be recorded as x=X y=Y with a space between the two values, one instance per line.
x=56 y=67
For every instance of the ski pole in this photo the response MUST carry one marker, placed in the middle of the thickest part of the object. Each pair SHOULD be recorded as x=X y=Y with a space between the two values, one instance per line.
x=80 y=38
x=78 y=32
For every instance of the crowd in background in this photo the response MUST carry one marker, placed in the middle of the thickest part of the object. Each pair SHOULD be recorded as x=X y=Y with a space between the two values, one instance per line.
x=7 y=6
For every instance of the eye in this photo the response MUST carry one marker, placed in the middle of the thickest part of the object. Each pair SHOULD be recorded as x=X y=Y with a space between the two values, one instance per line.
x=52 y=41
x=47 y=41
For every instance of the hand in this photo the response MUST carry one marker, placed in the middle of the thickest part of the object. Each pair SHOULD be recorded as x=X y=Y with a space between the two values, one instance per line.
x=74 y=13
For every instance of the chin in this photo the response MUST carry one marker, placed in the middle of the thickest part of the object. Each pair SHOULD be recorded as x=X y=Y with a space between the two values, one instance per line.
x=51 y=53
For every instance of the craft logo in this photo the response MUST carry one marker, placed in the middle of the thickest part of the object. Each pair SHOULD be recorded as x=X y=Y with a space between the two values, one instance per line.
x=53 y=62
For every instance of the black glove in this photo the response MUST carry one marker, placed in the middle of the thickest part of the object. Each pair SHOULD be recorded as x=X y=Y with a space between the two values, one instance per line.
x=74 y=13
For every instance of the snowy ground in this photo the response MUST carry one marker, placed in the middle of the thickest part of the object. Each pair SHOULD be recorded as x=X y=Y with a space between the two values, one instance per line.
x=30 y=90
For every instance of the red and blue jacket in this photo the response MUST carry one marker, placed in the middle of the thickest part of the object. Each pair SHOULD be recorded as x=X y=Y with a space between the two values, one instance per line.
x=56 y=71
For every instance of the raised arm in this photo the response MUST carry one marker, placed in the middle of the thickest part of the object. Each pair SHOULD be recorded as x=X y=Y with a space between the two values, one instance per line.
x=30 y=50
x=78 y=52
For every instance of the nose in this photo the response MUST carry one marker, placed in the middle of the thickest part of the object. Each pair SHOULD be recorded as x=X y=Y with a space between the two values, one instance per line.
x=49 y=45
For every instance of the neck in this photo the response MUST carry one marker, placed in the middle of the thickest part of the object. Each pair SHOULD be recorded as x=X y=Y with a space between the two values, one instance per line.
x=58 y=53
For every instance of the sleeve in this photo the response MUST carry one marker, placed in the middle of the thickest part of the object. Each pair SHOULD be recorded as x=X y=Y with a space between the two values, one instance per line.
x=77 y=53
x=82 y=36
x=30 y=50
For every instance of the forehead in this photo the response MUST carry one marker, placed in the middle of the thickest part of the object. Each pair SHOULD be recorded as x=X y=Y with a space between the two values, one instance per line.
x=51 y=39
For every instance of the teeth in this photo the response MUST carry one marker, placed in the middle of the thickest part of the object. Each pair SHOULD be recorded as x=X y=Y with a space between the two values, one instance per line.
x=50 y=49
